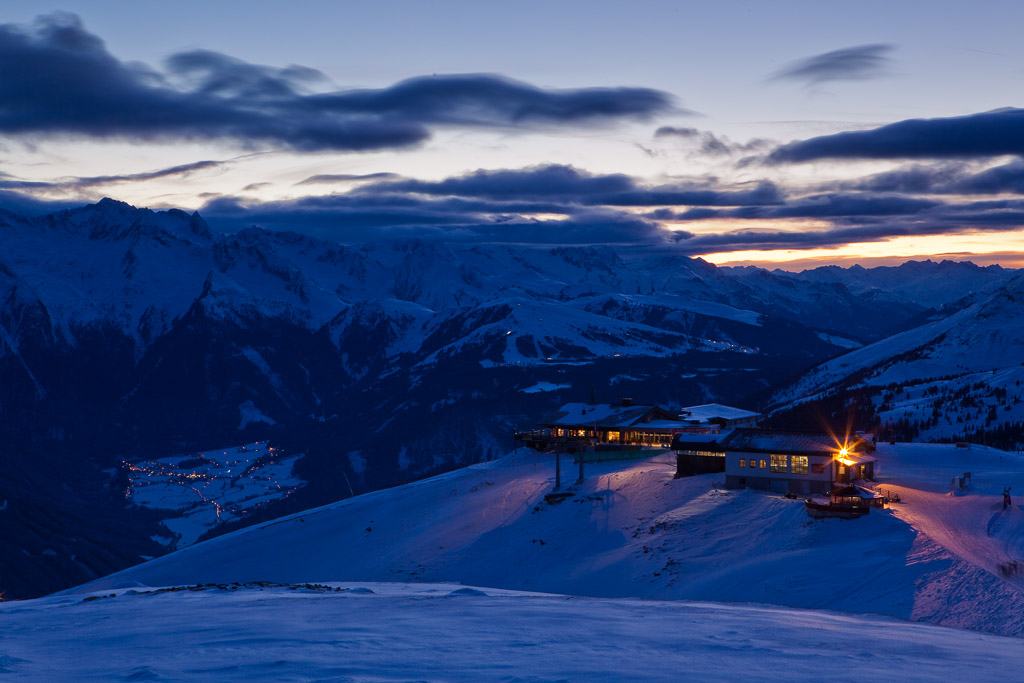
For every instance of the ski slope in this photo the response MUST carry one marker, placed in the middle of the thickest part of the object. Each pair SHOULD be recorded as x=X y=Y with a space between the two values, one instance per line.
x=971 y=524
x=631 y=530
x=477 y=575
x=431 y=632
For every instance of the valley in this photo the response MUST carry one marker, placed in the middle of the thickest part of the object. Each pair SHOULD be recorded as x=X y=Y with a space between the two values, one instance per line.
x=134 y=336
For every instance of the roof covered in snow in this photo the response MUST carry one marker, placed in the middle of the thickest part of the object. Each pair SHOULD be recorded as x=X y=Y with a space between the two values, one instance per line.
x=709 y=411
x=773 y=441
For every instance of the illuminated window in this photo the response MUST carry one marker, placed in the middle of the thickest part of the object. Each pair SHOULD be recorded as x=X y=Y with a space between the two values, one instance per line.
x=842 y=469
x=707 y=454
x=763 y=464
x=799 y=465
x=743 y=462
x=613 y=436
x=779 y=463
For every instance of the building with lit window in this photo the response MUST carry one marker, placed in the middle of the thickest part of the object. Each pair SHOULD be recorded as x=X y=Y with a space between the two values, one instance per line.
x=791 y=462
x=624 y=423
x=802 y=463
x=612 y=431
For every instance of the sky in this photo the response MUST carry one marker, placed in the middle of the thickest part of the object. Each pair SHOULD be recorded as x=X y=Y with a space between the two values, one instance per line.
x=788 y=134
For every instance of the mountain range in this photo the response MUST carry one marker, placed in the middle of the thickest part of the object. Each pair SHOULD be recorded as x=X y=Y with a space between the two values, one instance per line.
x=128 y=335
x=956 y=377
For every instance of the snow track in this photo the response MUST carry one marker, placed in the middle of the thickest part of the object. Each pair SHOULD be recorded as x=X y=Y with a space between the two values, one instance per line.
x=961 y=525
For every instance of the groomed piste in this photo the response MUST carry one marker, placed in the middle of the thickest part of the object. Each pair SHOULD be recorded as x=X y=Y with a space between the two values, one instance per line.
x=643 y=555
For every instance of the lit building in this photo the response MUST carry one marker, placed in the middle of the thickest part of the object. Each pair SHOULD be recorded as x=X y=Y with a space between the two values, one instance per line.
x=802 y=463
x=625 y=423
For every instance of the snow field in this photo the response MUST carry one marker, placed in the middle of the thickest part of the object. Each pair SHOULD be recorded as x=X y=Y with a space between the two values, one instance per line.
x=631 y=530
x=647 y=550
x=440 y=632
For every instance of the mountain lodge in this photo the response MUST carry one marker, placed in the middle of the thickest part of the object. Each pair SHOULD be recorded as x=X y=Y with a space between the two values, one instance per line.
x=707 y=439
x=606 y=431
x=622 y=423
x=801 y=463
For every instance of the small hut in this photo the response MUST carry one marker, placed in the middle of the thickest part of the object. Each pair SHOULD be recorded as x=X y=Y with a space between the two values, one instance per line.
x=846 y=502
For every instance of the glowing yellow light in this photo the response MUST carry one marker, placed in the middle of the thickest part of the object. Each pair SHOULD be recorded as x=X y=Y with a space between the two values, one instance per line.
x=843 y=452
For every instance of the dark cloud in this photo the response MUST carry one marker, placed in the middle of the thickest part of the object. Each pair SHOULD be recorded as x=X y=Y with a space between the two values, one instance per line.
x=961 y=218
x=489 y=100
x=346 y=177
x=963 y=137
x=26 y=205
x=837 y=205
x=348 y=218
x=56 y=78
x=552 y=181
x=763 y=193
x=82 y=182
x=741 y=240
x=989 y=205
x=917 y=179
x=946 y=178
x=709 y=143
x=672 y=131
x=826 y=206
x=858 y=63
x=9 y=183
x=488 y=205
x=215 y=74
x=697 y=214
x=939 y=219
x=560 y=204
x=996 y=180
x=572 y=186
x=180 y=170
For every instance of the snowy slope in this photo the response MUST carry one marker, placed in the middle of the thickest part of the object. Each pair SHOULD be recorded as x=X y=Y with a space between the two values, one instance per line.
x=631 y=530
x=128 y=334
x=109 y=263
x=987 y=334
x=959 y=374
x=435 y=632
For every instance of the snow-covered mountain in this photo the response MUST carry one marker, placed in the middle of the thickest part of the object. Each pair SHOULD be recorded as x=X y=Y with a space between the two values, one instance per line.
x=956 y=377
x=465 y=564
x=133 y=335
x=631 y=530
x=927 y=283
